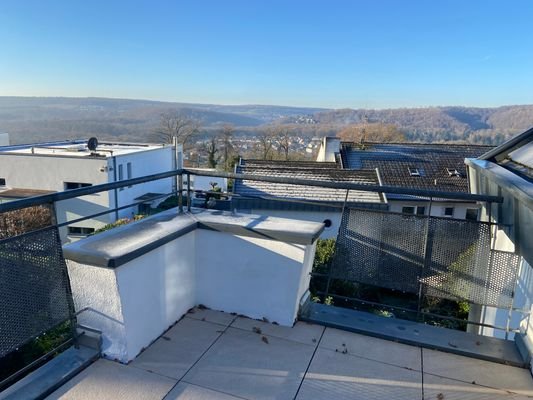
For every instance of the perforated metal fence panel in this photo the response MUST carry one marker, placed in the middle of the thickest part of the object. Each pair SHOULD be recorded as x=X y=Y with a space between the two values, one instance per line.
x=379 y=248
x=491 y=284
x=443 y=257
x=34 y=295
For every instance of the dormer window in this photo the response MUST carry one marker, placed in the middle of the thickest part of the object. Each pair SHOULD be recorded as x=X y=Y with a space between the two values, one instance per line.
x=453 y=172
x=415 y=172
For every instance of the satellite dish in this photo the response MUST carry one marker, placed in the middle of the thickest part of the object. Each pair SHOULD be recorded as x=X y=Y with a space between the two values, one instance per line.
x=92 y=143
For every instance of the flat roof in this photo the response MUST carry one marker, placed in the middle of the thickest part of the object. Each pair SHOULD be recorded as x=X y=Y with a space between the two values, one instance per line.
x=17 y=193
x=78 y=148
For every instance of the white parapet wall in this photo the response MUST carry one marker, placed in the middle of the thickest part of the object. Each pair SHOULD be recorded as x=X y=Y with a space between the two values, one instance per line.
x=4 y=139
x=133 y=282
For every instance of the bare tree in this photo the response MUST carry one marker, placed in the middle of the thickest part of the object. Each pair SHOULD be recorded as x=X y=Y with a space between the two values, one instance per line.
x=265 y=144
x=176 y=124
x=372 y=132
x=228 y=149
x=212 y=150
x=284 y=141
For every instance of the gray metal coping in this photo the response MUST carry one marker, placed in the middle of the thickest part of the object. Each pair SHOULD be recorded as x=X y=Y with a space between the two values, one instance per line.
x=117 y=246
x=415 y=334
x=515 y=184
x=52 y=375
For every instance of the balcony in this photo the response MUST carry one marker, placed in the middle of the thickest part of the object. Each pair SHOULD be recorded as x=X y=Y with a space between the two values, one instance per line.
x=200 y=304
x=216 y=355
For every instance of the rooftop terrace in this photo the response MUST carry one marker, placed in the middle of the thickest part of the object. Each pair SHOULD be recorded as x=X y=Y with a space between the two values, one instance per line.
x=215 y=355
x=149 y=291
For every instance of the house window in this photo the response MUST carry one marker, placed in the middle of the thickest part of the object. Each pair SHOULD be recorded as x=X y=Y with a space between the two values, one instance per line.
x=414 y=172
x=76 y=185
x=448 y=211
x=420 y=210
x=121 y=174
x=2 y=181
x=79 y=231
x=128 y=171
x=453 y=172
x=471 y=214
x=408 y=210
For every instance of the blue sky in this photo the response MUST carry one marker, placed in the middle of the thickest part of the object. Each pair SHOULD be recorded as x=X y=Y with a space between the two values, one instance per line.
x=373 y=54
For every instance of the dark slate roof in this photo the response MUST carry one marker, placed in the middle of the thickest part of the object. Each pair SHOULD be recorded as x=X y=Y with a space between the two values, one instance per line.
x=393 y=161
x=305 y=170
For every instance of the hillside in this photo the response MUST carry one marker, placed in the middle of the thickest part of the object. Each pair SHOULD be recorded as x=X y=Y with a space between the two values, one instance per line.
x=31 y=119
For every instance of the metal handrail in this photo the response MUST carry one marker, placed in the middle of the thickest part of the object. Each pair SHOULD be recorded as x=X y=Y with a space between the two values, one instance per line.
x=73 y=193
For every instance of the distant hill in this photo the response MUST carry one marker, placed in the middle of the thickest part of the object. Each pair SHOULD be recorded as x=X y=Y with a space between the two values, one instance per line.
x=32 y=119
x=476 y=125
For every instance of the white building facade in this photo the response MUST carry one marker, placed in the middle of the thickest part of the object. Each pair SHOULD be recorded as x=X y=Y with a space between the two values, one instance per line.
x=69 y=165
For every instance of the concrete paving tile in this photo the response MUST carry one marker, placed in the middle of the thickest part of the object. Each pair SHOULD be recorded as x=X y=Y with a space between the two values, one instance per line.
x=333 y=375
x=252 y=365
x=447 y=389
x=301 y=332
x=110 y=380
x=517 y=380
x=178 y=349
x=375 y=349
x=186 y=391
x=216 y=317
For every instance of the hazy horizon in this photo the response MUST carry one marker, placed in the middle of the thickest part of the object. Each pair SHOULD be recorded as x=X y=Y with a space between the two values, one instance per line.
x=263 y=105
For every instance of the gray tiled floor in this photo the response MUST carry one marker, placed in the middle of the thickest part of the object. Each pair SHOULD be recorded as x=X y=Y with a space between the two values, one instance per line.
x=213 y=355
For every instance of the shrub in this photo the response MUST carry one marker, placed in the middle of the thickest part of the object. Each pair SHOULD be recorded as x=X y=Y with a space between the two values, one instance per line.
x=118 y=222
x=325 y=248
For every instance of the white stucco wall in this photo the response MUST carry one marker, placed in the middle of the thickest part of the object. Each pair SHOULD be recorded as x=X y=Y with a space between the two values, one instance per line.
x=134 y=303
x=96 y=288
x=156 y=290
x=4 y=139
x=250 y=276
x=437 y=207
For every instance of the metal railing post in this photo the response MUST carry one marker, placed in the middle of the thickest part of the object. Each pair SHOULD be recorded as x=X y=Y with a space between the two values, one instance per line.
x=180 y=192
x=189 y=192
x=333 y=256
x=425 y=262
